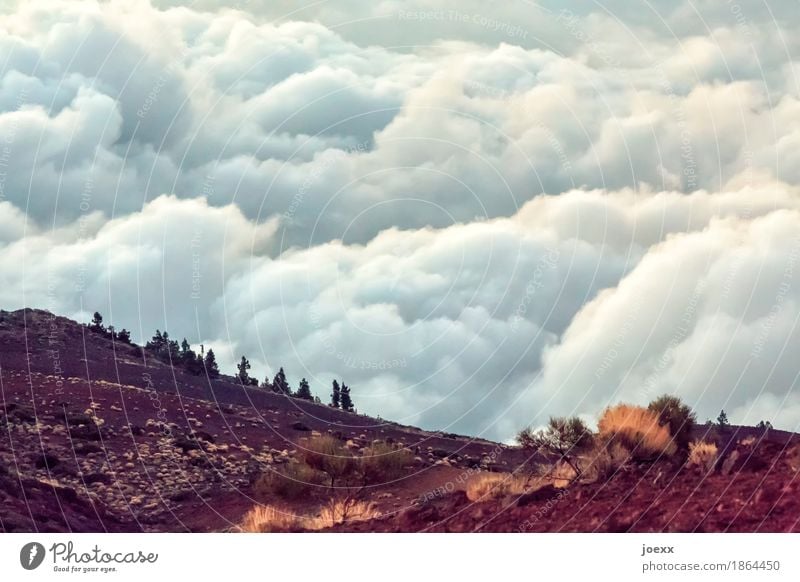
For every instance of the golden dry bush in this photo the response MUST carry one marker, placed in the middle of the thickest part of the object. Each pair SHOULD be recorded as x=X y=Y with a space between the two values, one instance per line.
x=702 y=454
x=487 y=486
x=266 y=519
x=638 y=430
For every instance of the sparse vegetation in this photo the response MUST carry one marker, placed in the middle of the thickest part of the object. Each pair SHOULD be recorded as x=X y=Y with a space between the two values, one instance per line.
x=563 y=437
x=637 y=429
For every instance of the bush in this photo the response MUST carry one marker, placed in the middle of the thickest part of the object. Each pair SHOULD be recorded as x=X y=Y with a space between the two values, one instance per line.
x=637 y=429
x=677 y=416
x=382 y=462
x=703 y=454
x=564 y=437
x=292 y=481
x=327 y=455
x=266 y=519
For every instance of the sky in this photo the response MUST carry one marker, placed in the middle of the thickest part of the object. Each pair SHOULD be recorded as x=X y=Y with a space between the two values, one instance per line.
x=478 y=214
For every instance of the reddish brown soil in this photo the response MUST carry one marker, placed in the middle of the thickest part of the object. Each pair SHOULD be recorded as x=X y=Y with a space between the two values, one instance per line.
x=759 y=493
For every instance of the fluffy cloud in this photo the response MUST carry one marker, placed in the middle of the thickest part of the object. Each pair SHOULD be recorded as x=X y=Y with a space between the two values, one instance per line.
x=575 y=301
x=124 y=102
x=478 y=216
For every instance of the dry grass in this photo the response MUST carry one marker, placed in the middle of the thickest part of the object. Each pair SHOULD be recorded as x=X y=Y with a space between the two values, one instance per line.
x=266 y=519
x=343 y=511
x=638 y=430
x=487 y=486
x=270 y=519
x=702 y=454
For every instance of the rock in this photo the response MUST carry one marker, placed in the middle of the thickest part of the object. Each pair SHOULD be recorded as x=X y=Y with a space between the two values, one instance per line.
x=87 y=432
x=103 y=478
x=297 y=425
x=21 y=413
x=47 y=460
x=203 y=436
x=79 y=418
x=186 y=444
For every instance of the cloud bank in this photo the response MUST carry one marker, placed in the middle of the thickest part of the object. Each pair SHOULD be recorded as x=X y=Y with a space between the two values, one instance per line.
x=479 y=217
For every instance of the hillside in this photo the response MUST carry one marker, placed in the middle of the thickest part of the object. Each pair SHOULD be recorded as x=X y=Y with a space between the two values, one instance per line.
x=96 y=435
x=168 y=451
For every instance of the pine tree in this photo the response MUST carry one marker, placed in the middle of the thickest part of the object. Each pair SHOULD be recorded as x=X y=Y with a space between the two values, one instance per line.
x=156 y=344
x=347 y=402
x=335 y=395
x=243 y=366
x=124 y=336
x=210 y=363
x=266 y=384
x=304 y=391
x=722 y=419
x=280 y=385
x=97 y=323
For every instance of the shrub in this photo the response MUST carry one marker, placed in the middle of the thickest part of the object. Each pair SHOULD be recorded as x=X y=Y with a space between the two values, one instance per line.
x=638 y=430
x=327 y=455
x=702 y=454
x=486 y=486
x=383 y=462
x=266 y=518
x=677 y=416
x=292 y=481
x=564 y=437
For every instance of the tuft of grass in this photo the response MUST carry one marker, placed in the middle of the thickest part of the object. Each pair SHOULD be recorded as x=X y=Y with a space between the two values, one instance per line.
x=637 y=429
x=703 y=454
x=268 y=519
x=488 y=486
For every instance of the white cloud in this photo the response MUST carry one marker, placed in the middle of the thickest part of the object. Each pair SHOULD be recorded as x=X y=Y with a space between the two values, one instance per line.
x=462 y=211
